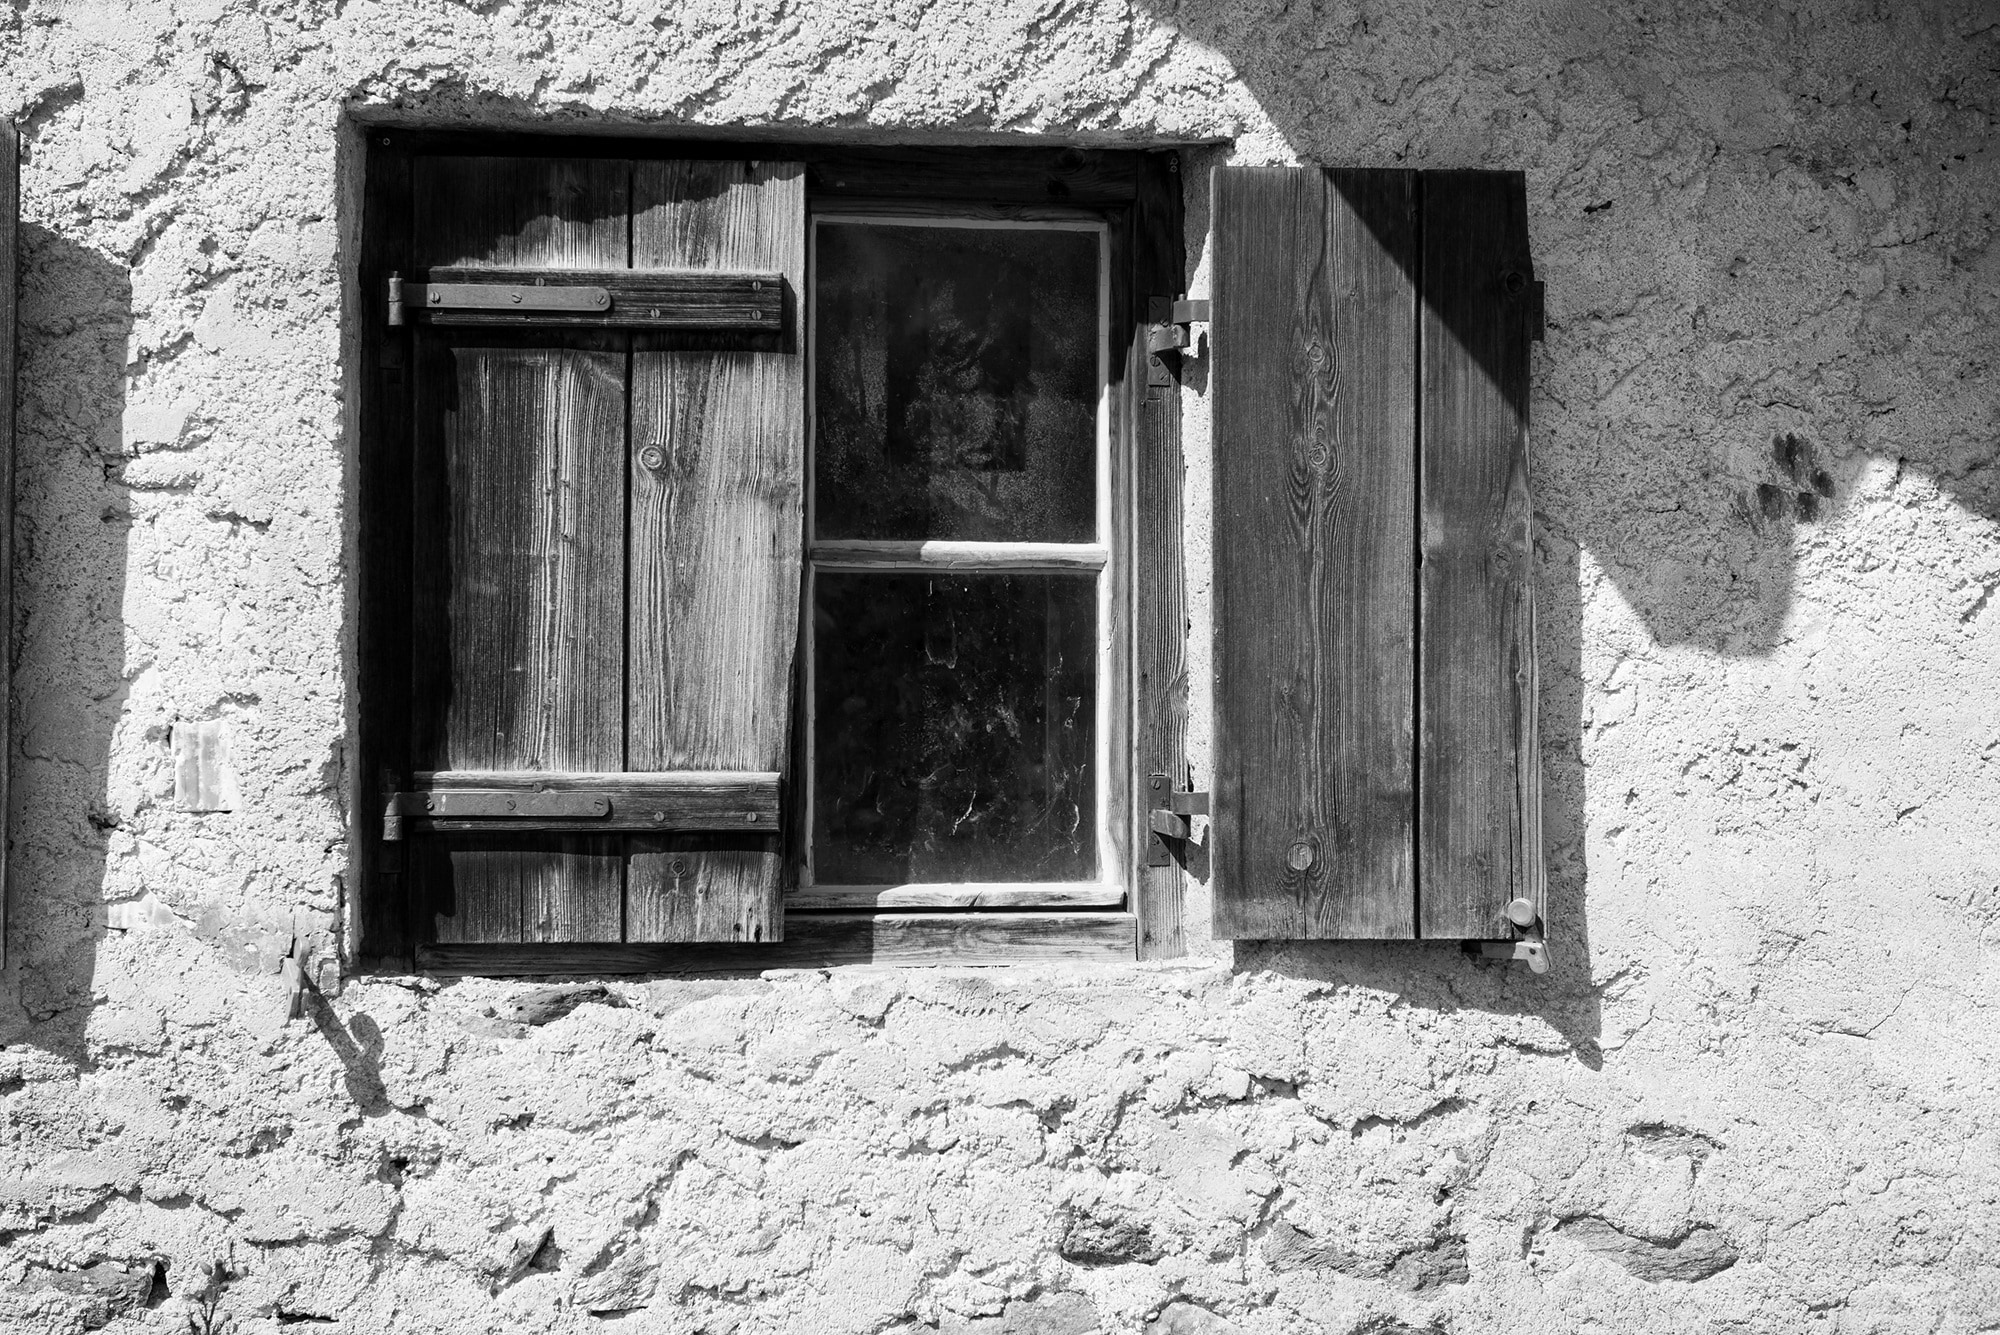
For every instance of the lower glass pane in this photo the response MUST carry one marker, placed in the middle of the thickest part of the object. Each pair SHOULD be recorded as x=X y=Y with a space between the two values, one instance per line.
x=954 y=728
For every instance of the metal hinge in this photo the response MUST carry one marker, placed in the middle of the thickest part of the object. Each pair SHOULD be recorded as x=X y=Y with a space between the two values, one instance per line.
x=1169 y=330
x=494 y=297
x=1167 y=818
x=497 y=805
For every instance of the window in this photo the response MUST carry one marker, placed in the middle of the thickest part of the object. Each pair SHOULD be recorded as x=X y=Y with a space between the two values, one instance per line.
x=776 y=560
x=962 y=675
x=748 y=561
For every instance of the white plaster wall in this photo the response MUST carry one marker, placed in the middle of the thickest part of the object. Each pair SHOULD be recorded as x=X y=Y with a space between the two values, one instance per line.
x=1756 y=1094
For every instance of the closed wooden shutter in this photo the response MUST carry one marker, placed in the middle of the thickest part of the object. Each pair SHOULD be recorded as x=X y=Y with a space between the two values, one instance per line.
x=10 y=208
x=605 y=561
x=1375 y=764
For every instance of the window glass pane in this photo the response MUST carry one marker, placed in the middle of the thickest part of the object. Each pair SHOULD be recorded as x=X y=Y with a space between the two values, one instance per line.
x=955 y=383
x=954 y=728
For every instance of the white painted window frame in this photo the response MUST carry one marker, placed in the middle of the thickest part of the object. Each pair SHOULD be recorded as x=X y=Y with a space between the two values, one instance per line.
x=1112 y=691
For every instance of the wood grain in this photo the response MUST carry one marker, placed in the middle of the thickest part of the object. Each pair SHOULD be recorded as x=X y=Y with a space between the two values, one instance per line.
x=1314 y=538
x=717 y=486
x=518 y=551
x=819 y=941
x=1158 y=589
x=10 y=209
x=968 y=896
x=1478 y=761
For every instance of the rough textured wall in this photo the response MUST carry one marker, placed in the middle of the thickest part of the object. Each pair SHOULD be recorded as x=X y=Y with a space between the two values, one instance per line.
x=1756 y=1093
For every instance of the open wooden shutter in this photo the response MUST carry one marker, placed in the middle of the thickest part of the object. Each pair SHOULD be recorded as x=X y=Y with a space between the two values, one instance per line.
x=10 y=209
x=608 y=484
x=1375 y=764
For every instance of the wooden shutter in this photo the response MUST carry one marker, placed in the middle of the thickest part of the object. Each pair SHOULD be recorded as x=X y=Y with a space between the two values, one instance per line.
x=1376 y=772
x=10 y=208
x=1478 y=762
x=605 y=561
x=1315 y=489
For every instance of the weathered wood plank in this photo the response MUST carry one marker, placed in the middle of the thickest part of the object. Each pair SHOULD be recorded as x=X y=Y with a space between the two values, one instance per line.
x=487 y=888
x=1478 y=761
x=1314 y=541
x=1158 y=585
x=717 y=491
x=971 y=896
x=10 y=209
x=519 y=496
x=815 y=941
x=740 y=302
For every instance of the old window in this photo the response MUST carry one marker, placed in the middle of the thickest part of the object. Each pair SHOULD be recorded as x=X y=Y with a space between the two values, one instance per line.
x=776 y=559
x=748 y=562
x=960 y=562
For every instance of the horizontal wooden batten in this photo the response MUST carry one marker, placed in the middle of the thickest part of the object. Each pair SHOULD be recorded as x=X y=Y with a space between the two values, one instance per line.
x=884 y=554
x=1008 y=895
x=669 y=800
x=750 y=303
x=822 y=941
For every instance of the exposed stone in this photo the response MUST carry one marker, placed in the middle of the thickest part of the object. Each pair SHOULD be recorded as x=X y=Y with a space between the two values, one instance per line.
x=1186 y=1318
x=545 y=1004
x=1702 y=1252
x=1044 y=1314
x=1099 y=1236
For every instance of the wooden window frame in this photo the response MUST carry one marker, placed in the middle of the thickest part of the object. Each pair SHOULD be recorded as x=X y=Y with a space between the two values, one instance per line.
x=1137 y=195
x=1105 y=556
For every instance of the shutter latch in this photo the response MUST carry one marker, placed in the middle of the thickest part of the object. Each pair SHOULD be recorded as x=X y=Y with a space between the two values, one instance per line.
x=1170 y=330
x=1167 y=817
x=1530 y=947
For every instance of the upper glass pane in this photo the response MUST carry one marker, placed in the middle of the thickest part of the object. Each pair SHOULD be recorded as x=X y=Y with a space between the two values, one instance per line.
x=955 y=382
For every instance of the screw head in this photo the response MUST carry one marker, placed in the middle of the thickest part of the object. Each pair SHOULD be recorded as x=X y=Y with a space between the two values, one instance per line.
x=653 y=456
x=659 y=818
x=753 y=818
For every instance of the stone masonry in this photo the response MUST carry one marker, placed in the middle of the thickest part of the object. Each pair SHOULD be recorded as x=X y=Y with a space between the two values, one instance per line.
x=1757 y=1092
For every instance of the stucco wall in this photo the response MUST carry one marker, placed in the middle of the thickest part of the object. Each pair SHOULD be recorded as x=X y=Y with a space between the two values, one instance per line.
x=1755 y=1094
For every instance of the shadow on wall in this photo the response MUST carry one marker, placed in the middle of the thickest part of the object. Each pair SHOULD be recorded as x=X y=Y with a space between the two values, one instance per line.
x=73 y=515
x=1689 y=510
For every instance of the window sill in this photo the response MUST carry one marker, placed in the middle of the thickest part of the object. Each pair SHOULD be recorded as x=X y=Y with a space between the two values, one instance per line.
x=818 y=941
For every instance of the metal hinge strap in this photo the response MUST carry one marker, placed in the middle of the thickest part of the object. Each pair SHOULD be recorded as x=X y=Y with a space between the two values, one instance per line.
x=1169 y=330
x=1167 y=817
